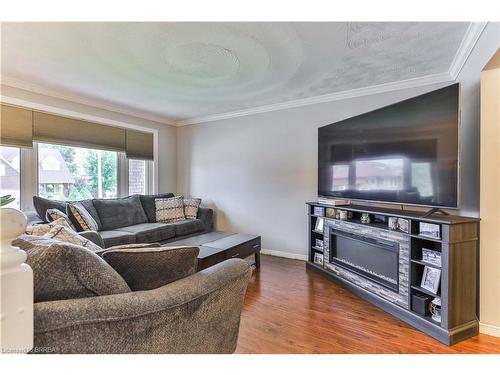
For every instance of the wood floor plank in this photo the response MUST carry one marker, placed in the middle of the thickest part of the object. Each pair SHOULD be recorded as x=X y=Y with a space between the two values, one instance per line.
x=290 y=310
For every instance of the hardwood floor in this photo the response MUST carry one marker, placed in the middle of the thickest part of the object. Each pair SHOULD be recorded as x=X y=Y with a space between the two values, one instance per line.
x=290 y=310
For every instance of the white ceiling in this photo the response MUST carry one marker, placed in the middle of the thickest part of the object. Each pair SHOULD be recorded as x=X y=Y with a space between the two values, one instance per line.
x=189 y=72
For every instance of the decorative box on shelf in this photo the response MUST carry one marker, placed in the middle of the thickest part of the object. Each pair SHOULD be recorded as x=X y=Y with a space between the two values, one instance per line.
x=420 y=303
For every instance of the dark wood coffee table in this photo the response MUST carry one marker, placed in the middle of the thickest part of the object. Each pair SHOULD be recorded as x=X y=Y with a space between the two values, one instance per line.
x=216 y=247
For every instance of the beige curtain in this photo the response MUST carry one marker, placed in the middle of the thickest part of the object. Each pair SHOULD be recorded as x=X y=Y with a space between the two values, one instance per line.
x=20 y=126
x=16 y=126
x=55 y=129
x=139 y=145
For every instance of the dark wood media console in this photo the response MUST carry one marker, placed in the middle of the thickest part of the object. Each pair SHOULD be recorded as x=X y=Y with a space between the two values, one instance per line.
x=385 y=266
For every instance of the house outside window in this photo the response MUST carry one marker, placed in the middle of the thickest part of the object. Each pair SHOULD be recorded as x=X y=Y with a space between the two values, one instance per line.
x=74 y=173
x=10 y=174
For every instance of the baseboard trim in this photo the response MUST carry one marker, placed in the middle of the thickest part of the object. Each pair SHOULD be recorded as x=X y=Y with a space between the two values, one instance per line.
x=488 y=329
x=283 y=254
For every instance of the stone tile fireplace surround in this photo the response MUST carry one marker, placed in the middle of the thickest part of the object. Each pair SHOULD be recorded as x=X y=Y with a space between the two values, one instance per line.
x=399 y=297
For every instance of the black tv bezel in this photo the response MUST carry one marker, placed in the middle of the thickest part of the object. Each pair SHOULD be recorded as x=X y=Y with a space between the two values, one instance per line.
x=459 y=127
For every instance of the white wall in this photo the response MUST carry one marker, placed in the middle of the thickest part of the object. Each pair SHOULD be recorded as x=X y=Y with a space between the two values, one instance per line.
x=165 y=134
x=258 y=171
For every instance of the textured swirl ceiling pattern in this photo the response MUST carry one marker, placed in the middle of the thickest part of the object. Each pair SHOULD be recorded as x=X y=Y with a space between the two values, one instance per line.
x=187 y=70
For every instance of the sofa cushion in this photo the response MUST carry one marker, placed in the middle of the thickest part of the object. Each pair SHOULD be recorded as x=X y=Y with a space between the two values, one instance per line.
x=42 y=205
x=66 y=271
x=80 y=217
x=121 y=212
x=148 y=203
x=191 y=206
x=185 y=227
x=65 y=234
x=169 y=210
x=116 y=237
x=151 y=268
x=150 y=232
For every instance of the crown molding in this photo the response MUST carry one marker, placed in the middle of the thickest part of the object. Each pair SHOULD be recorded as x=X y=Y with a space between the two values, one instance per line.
x=347 y=94
x=469 y=40
x=468 y=43
x=37 y=89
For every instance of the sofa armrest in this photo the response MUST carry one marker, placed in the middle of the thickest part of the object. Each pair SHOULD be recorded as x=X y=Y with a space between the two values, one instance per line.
x=197 y=314
x=151 y=268
x=206 y=215
x=33 y=218
x=93 y=236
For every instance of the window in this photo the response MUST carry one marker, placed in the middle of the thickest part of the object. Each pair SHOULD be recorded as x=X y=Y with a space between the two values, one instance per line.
x=70 y=173
x=136 y=177
x=421 y=177
x=340 y=177
x=380 y=174
x=10 y=174
x=73 y=173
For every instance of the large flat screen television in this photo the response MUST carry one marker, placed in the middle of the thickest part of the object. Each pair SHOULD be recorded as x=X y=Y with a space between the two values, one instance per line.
x=405 y=153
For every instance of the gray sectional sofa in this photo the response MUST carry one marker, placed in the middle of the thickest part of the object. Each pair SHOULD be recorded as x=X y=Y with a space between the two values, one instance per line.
x=128 y=220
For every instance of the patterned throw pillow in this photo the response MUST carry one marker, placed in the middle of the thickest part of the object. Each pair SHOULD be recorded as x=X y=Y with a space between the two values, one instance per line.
x=27 y=242
x=65 y=234
x=81 y=218
x=169 y=210
x=41 y=229
x=191 y=206
x=54 y=214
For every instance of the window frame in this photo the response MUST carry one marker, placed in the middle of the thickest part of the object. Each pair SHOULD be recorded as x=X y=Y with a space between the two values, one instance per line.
x=124 y=177
x=29 y=176
x=21 y=171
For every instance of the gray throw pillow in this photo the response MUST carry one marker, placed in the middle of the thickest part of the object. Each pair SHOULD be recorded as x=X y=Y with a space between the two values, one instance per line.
x=66 y=271
x=150 y=268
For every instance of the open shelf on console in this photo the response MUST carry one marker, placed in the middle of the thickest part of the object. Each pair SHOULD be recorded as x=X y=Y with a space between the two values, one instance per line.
x=422 y=263
x=417 y=244
x=317 y=249
x=422 y=290
x=416 y=272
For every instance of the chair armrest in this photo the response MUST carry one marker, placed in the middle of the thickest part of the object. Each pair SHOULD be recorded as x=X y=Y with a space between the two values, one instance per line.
x=93 y=236
x=151 y=268
x=206 y=215
x=197 y=314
